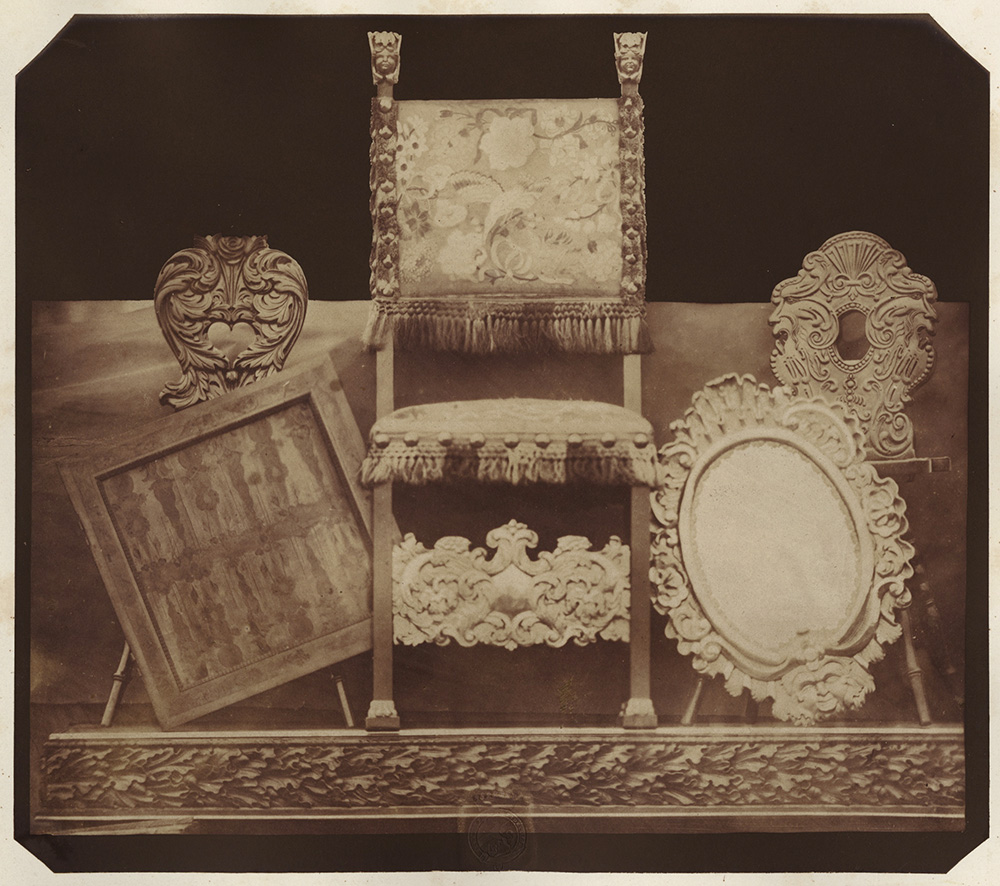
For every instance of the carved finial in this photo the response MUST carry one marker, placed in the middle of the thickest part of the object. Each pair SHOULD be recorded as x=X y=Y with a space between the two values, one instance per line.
x=629 y=49
x=385 y=46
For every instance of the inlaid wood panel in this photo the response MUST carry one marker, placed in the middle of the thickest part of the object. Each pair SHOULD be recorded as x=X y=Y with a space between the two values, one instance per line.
x=233 y=540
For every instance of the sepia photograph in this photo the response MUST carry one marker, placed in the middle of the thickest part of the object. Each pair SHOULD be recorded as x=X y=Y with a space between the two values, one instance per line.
x=502 y=443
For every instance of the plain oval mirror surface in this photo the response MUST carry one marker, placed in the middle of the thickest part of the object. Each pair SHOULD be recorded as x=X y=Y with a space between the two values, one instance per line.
x=772 y=549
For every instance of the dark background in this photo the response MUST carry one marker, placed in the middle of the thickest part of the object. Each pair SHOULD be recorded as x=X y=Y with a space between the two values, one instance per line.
x=764 y=136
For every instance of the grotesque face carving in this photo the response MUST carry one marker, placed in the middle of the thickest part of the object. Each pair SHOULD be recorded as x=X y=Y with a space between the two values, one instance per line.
x=629 y=49
x=816 y=692
x=385 y=47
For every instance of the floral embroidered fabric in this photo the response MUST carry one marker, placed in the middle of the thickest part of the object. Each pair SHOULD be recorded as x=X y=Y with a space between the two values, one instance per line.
x=509 y=197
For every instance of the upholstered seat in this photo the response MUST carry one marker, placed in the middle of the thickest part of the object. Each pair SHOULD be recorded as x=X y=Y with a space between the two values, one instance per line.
x=512 y=441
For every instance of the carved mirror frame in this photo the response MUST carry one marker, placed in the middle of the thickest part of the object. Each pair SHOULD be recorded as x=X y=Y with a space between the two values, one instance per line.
x=823 y=670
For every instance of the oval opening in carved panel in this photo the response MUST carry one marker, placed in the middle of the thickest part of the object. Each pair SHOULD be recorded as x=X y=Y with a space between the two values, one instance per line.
x=852 y=340
x=773 y=548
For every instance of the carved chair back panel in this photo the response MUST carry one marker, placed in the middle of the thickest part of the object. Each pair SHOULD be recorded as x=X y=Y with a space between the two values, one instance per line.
x=239 y=283
x=856 y=274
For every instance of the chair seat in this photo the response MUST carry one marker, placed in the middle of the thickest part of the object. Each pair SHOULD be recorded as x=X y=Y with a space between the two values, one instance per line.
x=512 y=441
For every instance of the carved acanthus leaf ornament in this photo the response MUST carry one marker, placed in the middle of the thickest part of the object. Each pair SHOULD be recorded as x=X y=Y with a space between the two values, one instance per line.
x=880 y=770
x=857 y=272
x=232 y=281
x=777 y=550
x=454 y=592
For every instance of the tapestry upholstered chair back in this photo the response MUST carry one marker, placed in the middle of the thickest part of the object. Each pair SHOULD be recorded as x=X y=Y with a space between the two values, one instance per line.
x=508 y=225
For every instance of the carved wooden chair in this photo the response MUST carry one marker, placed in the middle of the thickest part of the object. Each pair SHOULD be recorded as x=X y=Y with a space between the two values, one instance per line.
x=507 y=227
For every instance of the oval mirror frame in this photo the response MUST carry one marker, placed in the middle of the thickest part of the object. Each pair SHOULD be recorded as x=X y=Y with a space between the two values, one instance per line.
x=820 y=667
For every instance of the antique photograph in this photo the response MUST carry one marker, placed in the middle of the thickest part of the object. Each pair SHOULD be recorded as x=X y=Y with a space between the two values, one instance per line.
x=530 y=442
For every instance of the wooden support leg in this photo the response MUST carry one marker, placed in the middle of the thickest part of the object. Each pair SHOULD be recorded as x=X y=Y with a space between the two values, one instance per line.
x=119 y=679
x=692 y=706
x=913 y=670
x=639 y=712
x=382 y=711
x=344 y=706
x=939 y=649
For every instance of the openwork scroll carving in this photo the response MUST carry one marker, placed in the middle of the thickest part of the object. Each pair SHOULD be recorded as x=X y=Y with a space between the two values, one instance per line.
x=804 y=563
x=857 y=272
x=453 y=593
x=232 y=281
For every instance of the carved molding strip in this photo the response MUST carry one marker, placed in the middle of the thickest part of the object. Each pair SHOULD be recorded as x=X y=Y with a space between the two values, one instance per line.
x=633 y=200
x=228 y=280
x=453 y=592
x=384 y=200
x=819 y=667
x=884 y=770
x=859 y=272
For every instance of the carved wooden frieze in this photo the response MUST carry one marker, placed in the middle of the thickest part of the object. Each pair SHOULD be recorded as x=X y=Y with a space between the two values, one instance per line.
x=857 y=275
x=242 y=284
x=777 y=551
x=452 y=592
x=855 y=771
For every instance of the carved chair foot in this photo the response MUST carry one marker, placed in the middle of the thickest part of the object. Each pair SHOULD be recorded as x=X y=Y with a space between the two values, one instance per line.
x=639 y=714
x=382 y=716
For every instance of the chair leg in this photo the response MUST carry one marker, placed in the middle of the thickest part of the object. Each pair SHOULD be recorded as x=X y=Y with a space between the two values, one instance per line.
x=382 y=711
x=639 y=712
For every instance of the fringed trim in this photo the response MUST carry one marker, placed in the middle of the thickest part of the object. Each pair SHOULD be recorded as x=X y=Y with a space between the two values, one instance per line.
x=567 y=328
x=623 y=464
